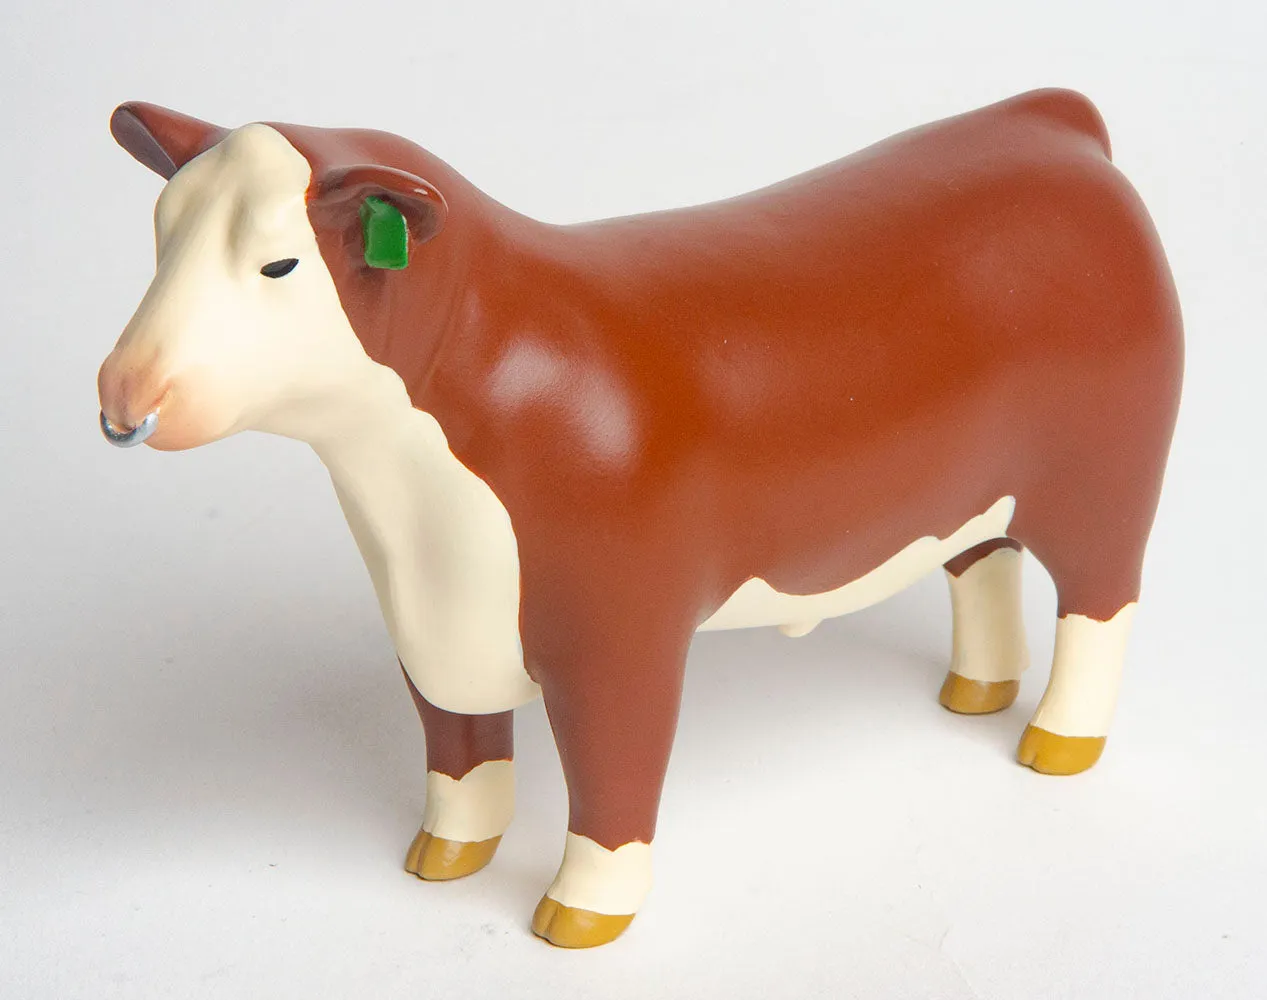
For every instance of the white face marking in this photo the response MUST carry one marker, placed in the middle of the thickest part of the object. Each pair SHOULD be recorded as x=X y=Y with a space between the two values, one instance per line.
x=989 y=628
x=234 y=348
x=602 y=881
x=1086 y=672
x=241 y=350
x=475 y=807
x=757 y=603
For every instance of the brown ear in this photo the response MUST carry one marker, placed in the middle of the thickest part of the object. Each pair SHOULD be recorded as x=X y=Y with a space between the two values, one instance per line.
x=163 y=140
x=423 y=207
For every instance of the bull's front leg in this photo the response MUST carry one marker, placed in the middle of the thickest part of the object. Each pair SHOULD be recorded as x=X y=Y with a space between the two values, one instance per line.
x=612 y=693
x=470 y=790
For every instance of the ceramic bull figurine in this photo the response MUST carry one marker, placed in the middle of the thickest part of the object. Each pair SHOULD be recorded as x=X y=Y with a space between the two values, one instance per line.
x=564 y=450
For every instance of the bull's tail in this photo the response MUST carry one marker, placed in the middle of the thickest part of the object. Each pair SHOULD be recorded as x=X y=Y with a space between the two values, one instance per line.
x=1071 y=109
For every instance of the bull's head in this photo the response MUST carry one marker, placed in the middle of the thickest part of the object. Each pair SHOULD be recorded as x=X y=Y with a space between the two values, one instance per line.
x=242 y=326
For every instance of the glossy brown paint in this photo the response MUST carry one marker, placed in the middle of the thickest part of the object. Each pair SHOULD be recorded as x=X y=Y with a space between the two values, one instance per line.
x=792 y=384
x=457 y=744
x=961 y=563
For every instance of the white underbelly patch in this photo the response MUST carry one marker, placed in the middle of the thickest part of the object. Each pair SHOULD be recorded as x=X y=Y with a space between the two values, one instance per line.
x=756 y=603
x=444 y=560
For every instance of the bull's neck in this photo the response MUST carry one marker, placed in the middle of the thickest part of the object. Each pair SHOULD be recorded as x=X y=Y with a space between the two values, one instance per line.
x=494 y=294
x=437 y=362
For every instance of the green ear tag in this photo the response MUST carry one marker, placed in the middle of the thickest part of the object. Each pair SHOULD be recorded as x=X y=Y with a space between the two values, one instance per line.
x=386 y=235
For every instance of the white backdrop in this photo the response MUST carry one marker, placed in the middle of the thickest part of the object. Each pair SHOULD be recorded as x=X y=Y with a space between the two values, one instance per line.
x=209 y=765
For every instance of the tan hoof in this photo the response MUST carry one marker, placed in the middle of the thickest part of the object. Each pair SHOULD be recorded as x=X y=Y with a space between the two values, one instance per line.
x=569 y=927
x=1051 y=753
x=437 y=859
x=969 y=697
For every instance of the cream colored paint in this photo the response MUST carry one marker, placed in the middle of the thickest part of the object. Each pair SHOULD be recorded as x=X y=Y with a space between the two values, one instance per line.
x=1086 y=673
x=235 y=349
x=988 y=625
x=475 y=807
x=757 y=603
x=279 y=355
x=795 y=630
x=441 y=552
x=594 y=878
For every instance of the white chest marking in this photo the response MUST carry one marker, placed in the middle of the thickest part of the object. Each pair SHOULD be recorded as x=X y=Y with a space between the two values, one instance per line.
x=442 y=555
x=280 y=355
x=757 y=603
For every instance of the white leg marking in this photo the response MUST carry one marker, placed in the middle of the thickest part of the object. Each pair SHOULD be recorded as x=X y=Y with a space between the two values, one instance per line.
x=1086 y=672
x=989 y=629
x=602 y=881
x=475 y=807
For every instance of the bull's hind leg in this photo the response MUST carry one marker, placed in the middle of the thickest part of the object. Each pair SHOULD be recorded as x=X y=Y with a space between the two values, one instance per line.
x=1068 y=731
x=1093 y=547
x=470 y=791
x=988 y=652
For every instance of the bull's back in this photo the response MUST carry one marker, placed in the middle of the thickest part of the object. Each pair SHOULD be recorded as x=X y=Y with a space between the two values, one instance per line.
x=882 y=349
x=959 y=246
x=885 y=209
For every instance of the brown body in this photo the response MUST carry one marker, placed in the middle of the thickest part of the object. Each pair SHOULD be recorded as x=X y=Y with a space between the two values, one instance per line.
x=796 y=384
x=820 y=373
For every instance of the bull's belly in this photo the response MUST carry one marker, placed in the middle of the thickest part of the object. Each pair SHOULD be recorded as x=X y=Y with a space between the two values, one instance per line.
x=756 y=603
x=443 y=557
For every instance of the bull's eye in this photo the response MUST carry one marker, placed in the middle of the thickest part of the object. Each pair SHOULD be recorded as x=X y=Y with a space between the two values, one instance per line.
x=279 y=268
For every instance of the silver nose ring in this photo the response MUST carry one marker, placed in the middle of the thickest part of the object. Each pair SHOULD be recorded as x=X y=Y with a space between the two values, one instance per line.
x=128 y=439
